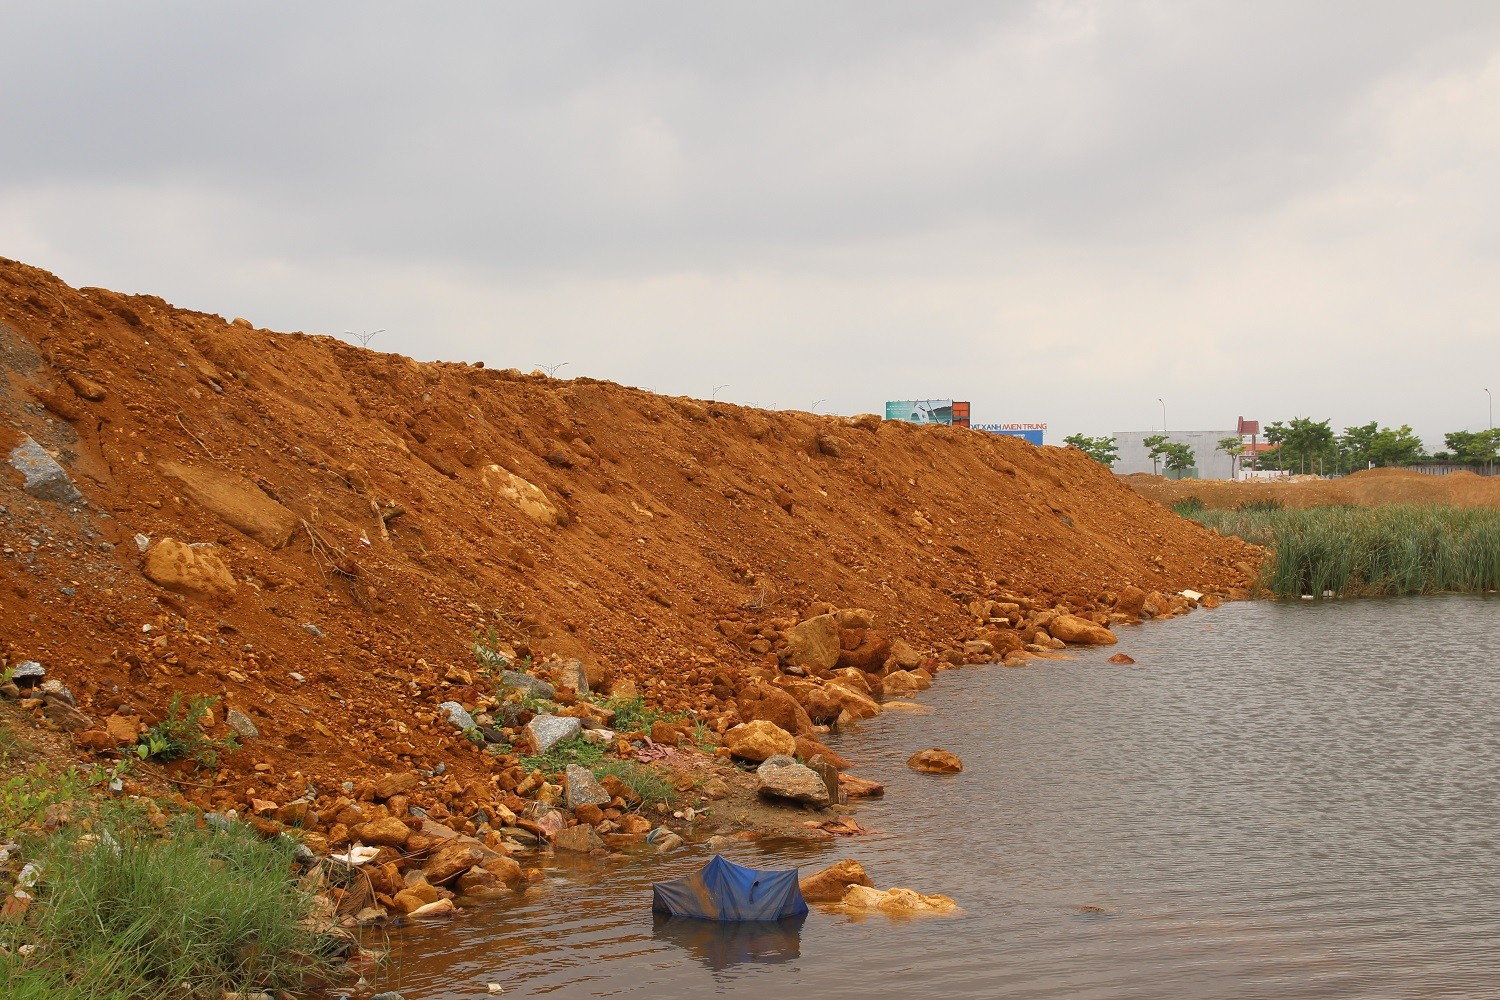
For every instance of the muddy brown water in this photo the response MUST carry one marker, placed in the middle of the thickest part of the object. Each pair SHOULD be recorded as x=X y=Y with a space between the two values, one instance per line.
x=1277 y=800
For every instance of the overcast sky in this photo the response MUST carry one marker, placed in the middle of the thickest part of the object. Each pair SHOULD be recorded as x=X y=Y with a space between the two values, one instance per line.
x=1062 y=211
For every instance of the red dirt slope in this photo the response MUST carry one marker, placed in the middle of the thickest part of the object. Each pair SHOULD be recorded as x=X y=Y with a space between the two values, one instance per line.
x=373 y=512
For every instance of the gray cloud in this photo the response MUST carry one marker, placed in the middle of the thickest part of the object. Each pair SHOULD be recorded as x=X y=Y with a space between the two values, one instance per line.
x=1061 y=210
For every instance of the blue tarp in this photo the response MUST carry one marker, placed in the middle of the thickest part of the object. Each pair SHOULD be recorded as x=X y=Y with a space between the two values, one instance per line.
x=724 y=890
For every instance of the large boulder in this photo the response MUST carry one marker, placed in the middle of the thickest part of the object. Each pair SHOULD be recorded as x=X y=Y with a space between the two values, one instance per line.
x=758 y=740
x=860 y=788
x=762 y=701
x=192 y=569
x=236 y=501
x=582 y=788
x=546 y=731
x=43 y=477
x=1081 y=631
x=395 y=784
x=814 y=644
x=869 y=650
x=452 y=859
x=859 y=704
x=903 y=683
x=1130 y=601
x=935 y=761
x=864 y=897
x=526 y=682
x=387 y=831
x=829 y=885
x=905 y=655
x=781 y=777
x=581 y=839
x=526 y=497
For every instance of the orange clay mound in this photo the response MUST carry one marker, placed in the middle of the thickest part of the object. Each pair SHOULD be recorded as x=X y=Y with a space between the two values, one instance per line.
x=345 y=521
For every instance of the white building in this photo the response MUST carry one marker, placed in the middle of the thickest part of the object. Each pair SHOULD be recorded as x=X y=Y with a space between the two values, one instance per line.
x=1208 y=461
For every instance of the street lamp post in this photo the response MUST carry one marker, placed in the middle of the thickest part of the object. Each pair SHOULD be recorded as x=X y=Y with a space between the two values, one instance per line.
x=1163 y=415
x=1491 y=400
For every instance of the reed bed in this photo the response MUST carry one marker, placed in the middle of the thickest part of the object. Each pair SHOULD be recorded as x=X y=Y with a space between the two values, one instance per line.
x=1367 y=551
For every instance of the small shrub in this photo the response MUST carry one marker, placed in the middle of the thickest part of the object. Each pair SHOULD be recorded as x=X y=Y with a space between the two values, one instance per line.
x=181 y=735
x=1187 y=506
x=25 y=797
x=487 y=653
x=1267 y=506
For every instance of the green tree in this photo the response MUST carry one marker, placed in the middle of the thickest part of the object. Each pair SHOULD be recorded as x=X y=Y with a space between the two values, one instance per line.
x=1234 y=447
x=1310 y=443
x=1371 y=445
x=1474 y=447
x=1156 y=445
x=1179 y=458
x=1101 y=449
x=1396 y=447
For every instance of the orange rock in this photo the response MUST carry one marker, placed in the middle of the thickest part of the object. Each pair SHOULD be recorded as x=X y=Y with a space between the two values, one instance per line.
x=860 y=788
x=830 y=884
x=935 y=761
x=770 y=704
x=394 y=784
x=387 y=831
x=756 y=740
x=808 y=748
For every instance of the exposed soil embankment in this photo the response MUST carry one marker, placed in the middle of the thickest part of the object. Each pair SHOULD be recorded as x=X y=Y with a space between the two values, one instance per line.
x=1371 y=488
x=313 y=533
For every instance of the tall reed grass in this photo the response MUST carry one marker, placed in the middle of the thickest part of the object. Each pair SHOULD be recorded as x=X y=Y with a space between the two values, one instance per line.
x=1369 y=551
x=195 y=914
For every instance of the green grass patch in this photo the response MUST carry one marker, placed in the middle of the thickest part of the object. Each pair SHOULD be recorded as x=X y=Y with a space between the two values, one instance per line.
x=1187 y=506
x=645 y=781
x=133 y=915
x=634 y=715
x=1369 y=551
x=575 y=751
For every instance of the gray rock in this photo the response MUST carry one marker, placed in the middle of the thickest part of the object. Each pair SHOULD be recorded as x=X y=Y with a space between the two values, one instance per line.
x=582 y=788
x=241 y=725
x=142 y=542
x=388 y=995
x=45 y=479
x=312 y=630
x=781 y=777
x=546 y=731
x=537 y=686
x=57 y=689
x=571 y=674
x=457 y=716
x=28 y=672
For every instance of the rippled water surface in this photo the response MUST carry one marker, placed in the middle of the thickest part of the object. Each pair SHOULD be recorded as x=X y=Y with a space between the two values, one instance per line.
x=1278 y=800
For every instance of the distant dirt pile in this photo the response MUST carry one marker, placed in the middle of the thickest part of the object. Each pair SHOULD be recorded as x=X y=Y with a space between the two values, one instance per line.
x=1371 y=488
x=314 y=533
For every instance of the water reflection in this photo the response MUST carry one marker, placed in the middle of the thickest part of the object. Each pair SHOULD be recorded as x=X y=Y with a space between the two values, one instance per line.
x=1279 y=801
x=721 y=945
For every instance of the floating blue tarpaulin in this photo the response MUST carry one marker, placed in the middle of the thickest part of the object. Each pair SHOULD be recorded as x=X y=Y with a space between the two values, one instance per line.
x=724 y=890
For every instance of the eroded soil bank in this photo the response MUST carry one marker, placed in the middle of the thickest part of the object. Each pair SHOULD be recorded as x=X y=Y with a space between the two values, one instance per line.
x=314 y=535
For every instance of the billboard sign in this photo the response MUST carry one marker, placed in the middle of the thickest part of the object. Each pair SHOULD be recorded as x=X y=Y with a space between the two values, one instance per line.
x=1028 y=432
x=921 y=411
